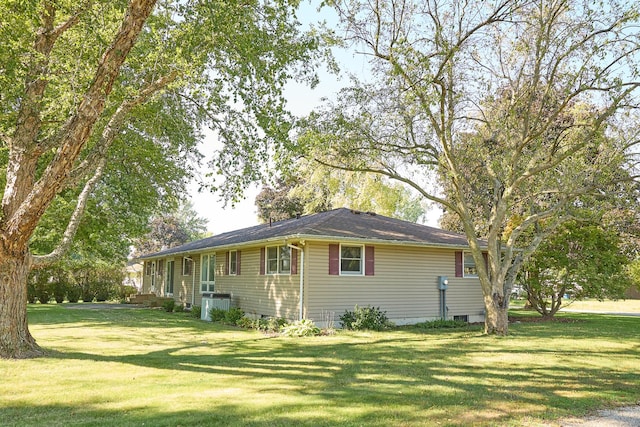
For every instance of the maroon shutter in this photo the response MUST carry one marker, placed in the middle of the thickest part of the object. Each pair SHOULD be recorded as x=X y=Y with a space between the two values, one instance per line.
x=334 y=259
x=369 y=260
x=294 y=261
x=226 y=264
x=262 y=261
x=238 y=263
x=458 y=263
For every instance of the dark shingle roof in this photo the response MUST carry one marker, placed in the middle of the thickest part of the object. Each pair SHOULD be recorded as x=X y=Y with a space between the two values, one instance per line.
x=339 y=224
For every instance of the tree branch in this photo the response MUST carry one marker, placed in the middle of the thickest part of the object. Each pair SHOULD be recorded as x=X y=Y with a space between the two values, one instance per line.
x=40 y=261
x=24 y=216
x=114 y=126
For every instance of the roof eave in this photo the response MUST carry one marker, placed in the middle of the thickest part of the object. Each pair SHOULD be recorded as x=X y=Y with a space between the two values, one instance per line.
x=312 y=237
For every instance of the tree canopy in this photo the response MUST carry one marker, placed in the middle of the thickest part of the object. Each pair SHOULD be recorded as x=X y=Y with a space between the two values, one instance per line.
x=578 y=261
x=102 y=102
x=313 y=188
x=535 y=94
x=172 y=229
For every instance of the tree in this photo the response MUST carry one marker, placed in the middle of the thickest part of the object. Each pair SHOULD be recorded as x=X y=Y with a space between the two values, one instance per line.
x=533 y=92
x=581 y=260
x=276 y=204
x=313 y=188
x=171 y=230
x=86 y=85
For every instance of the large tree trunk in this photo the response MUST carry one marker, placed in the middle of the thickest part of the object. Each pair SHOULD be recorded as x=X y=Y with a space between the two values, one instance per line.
x=497 y=315
x=25 y=200
x=16 y=341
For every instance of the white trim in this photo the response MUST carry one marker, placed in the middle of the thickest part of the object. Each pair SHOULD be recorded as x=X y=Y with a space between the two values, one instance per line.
x=235 y=271
x=278 y=261
x=210 y=284
x=168 y=277
x=464 y=274
x=362 y=261
x=185 y=260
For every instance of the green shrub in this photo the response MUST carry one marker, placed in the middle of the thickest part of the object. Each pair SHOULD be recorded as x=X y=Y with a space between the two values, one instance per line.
x=73 y=292
x=43 y=292
x=365 y=318
x=233 y=316
x=104 y=290
x=179 y=308
x=125 y=291
x=169 y=305
x=88 y=293
x=31 y=293
x=59 y=291
x=196 y=311
x=301 y=328
x=248 y=323
x=442 y=324
x=272 y=324
x=217 y=314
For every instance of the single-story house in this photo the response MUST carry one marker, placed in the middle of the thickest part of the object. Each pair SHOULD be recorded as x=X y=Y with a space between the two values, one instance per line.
x=317 y=266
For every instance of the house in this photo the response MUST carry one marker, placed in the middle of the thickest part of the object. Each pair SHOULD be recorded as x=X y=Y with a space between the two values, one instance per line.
x=133 y=275
x=317 y=266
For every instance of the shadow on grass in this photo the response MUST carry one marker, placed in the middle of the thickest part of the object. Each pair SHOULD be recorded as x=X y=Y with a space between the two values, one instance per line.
x=408 y=376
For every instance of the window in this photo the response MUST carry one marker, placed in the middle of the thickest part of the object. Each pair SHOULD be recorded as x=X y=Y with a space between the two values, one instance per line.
x=351 y=260
x=278 y=260
x=168 y=284
x=149 y=268
x=187 y=266
x=233 y=262
x=207 y=273
x=469 y=266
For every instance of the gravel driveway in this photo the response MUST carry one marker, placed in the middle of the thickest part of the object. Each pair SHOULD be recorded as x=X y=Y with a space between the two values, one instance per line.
x=628 y=416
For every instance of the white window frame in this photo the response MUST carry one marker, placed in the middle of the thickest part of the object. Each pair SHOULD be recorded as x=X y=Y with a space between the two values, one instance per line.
x=468 y=255
x=170 y=277
x=362 y=263
x=233 y=263
x=279 y=260
x=153 y=276
x=187 y=266
x=207 y=284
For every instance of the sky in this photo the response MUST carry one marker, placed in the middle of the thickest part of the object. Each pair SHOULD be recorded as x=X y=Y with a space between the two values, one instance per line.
x=302 y=100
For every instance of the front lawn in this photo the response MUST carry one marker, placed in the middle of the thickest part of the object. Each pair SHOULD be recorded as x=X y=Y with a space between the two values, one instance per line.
x=142 y=366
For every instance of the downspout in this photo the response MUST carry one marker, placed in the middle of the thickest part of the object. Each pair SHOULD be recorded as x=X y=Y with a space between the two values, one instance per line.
x=301 y=313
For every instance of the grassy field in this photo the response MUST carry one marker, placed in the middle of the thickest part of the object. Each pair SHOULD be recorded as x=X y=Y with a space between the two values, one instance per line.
x=147 y=367
x=620 y=306
x=591 y=305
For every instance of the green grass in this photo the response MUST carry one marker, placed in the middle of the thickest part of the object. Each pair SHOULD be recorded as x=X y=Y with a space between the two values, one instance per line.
x=619 y=306
x=591 y=305
x=135 y=367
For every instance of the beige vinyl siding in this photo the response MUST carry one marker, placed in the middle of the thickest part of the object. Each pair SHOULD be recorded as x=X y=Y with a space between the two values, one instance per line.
x=182 y=285
x=258 y=295
x=405 y=284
